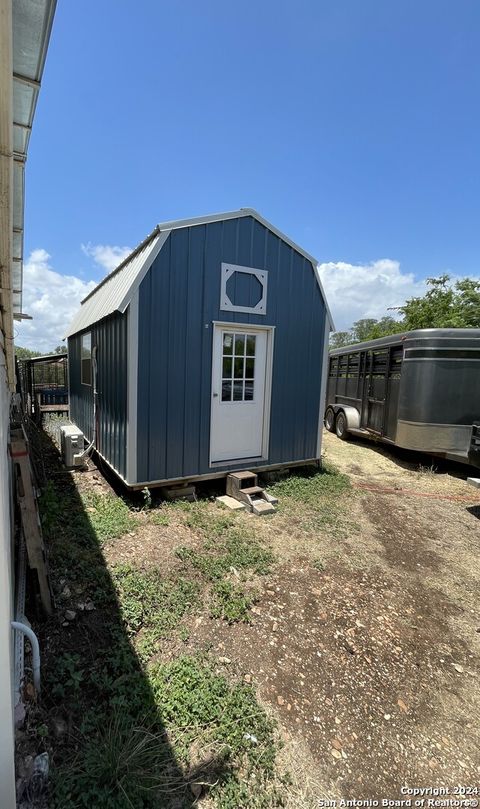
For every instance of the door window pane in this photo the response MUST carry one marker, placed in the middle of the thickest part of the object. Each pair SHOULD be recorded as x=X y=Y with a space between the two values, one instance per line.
x=249 y=390
x=239 y=368
x=239 y=345
x=227 y=367
x=227 y=342
x=238 y=361
x=238 y=390
x=251 y=345
x=226 y=390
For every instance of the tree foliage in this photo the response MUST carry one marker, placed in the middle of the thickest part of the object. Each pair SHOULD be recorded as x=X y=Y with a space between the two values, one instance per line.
x=366 y=329
x=25 y=353
x=444 y=305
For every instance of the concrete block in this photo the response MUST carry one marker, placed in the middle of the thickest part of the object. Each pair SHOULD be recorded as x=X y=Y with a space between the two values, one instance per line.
x=230 y=502
x=262 y=507
x=271 y=499
x=474 y=482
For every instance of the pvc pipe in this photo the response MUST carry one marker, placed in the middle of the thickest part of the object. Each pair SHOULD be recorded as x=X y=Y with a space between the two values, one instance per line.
x=28 y=631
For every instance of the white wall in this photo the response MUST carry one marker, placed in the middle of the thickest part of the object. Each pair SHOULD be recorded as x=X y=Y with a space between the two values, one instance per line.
x=7 y=776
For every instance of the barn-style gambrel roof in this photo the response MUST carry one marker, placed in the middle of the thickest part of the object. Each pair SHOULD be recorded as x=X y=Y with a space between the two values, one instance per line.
x=114 y=293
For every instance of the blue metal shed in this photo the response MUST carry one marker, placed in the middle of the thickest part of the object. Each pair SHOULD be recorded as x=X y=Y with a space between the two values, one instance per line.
x=203 y=352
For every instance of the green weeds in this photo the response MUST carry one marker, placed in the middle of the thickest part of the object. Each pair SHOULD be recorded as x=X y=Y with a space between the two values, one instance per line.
x=203 y=730
x=230 y=603
x=218 y=558
x=157 y=518
x=149 y=601
x=202 y=709
x=312 y=485
x=109 y=516
x=140 y=732
x=321 y=495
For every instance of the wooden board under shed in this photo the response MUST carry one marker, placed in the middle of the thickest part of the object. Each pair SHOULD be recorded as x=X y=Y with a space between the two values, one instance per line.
x=30 y=516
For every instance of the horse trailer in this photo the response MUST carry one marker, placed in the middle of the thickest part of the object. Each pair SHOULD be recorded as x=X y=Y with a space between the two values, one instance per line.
x=419 y=390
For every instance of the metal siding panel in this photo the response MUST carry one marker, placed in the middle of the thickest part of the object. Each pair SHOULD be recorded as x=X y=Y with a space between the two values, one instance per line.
x=145 y=374
x=177 y=327
x=196 y=333
x=157 y=366
x=110 y=338
x=211 y=298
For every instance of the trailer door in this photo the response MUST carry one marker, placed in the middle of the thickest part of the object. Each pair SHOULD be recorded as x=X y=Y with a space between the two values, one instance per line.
x=376 y=383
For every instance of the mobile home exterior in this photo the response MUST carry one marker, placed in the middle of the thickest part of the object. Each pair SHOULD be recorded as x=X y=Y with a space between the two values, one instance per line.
x=204 y=352
x=24 y=36
x=419 y=390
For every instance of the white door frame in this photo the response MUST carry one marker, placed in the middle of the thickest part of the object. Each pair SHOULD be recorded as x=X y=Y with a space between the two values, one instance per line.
x=270 y=332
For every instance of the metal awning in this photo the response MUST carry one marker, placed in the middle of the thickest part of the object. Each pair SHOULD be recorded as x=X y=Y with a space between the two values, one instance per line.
x=31 y=23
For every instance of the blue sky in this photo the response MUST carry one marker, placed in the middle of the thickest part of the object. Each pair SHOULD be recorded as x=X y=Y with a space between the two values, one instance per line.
x=352 y=126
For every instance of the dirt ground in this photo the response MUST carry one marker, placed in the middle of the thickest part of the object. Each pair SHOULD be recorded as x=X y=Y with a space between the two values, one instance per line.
x=364 y=641
x=375 y=661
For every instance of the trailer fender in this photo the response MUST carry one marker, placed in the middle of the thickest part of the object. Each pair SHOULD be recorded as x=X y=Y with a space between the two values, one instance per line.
x=351 y=414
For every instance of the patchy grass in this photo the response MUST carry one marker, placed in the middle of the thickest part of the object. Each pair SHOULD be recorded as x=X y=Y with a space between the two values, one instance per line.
x=109 y=516
x=158 y=517
x=312 y=484
x=140 y=733
x=210 y=523
x=120 y=767
x=149 y=601
x=201 y=709
x=216 y=559
x=214 y=731
x=320 y=495
x=230 y=602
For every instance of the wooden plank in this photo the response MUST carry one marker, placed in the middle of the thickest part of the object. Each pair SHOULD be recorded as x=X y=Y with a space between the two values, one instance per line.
x=31 y=526
x=63 y=408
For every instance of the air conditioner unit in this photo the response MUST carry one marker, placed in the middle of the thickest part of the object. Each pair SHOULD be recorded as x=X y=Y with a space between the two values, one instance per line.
x=72 y=444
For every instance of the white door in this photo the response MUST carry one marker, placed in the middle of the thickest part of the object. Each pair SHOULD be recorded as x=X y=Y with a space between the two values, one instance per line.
x=238 y=393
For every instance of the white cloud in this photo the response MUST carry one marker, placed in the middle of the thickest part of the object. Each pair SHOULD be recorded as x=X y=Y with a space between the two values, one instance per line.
x=106 y=255
x=51 y=299
x=355 y=291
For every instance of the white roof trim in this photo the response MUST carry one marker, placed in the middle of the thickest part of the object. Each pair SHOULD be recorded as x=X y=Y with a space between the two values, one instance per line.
x=111 y=295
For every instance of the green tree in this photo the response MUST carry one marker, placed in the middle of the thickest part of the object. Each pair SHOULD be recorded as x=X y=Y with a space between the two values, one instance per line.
x=366 y=329
x=59 y=349
x=444 y=305
x=25 y=353
x=338 y=339
x=362 y=329
x=385 y=326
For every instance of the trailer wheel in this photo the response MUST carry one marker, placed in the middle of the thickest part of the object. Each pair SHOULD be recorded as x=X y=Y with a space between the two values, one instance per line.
x=330 y=419
x=341 y=427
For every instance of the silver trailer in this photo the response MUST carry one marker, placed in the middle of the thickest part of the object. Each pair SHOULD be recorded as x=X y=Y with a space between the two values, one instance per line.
x=419 y=390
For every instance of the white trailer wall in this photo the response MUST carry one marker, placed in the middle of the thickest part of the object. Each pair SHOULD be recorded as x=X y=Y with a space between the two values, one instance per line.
x=7 y=776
